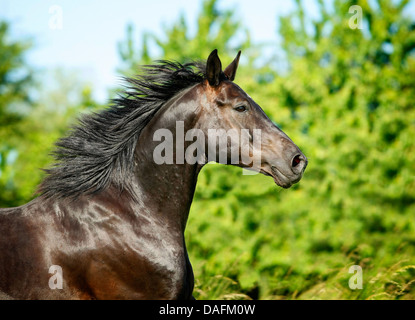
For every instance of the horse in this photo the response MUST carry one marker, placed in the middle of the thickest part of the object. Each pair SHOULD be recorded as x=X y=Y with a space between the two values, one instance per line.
x=108 y=220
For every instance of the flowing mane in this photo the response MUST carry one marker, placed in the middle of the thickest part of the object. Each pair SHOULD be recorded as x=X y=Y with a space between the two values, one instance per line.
x=99 y=150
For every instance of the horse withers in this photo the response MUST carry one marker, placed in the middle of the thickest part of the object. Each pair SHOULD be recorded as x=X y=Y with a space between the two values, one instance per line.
x=110 y=217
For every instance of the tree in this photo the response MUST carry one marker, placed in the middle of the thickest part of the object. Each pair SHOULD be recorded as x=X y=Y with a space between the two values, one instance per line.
x=215 y=28
x=16 y=80
x=354 y=90
x=28 y=126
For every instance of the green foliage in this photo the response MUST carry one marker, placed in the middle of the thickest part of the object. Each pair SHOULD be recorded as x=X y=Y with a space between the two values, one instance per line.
x=15 y=77
x=15 y=82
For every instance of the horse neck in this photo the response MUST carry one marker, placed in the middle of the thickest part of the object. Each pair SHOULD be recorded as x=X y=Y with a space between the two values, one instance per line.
x=167 y=189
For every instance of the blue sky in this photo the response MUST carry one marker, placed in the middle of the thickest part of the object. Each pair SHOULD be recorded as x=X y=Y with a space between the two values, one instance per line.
x=91 y=29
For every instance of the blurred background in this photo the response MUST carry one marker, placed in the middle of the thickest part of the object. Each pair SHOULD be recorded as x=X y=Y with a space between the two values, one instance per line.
x=338 y=79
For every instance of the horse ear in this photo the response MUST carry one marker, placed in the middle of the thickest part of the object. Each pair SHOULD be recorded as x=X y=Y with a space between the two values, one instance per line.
x=230 y=70
x=213 y=68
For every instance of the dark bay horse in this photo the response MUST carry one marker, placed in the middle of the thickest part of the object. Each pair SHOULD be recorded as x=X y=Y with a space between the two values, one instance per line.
x=109 y=220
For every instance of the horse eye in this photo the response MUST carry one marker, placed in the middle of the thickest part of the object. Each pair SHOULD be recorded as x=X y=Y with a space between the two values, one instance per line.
x=240 y=108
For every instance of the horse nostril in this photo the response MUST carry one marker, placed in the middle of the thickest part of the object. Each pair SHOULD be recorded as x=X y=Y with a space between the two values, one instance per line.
x=296 y=161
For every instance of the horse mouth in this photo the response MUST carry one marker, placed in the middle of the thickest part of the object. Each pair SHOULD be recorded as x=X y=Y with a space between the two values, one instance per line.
x=280 y=179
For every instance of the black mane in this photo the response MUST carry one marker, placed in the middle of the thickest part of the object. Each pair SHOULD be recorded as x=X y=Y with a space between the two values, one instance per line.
x=100 y=149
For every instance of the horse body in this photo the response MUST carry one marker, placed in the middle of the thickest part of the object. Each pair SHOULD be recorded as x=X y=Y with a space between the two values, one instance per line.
x=108 y=248
x=123 y=238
